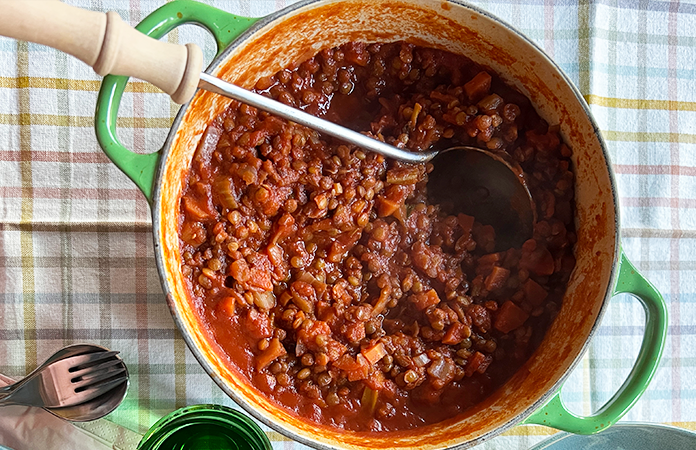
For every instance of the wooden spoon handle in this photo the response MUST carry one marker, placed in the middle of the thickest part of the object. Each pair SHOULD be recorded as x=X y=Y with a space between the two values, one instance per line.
x=104 y=42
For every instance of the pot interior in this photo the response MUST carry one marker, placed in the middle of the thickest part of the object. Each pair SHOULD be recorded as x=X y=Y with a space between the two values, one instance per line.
x=300 y=32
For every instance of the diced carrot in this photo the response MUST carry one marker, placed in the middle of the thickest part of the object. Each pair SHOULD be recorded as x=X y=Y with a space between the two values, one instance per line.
x=497 y=278
x=227 y=306
x=456 y=333
x=490 y=259
x=198 y=210
x=466 y=223
x=534 y=292
x=386 y=207
x=478 y=86
x=275 y=350
x=539 y=261
x=485 y=263
x=374 y=353
x=423 y=300
x=477 y=362
x=509 y=317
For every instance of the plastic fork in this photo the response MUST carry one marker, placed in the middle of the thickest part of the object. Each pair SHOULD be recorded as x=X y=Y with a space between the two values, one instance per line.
x=68 y=382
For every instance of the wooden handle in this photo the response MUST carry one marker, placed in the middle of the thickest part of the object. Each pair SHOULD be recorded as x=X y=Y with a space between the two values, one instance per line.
x=104 y=42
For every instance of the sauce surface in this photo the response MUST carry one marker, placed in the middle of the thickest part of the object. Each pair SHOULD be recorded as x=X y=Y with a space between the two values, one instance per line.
x=326 y=275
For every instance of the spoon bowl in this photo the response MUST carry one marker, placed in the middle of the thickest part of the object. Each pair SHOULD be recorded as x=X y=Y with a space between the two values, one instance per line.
x=487 y=186
x=493 y=191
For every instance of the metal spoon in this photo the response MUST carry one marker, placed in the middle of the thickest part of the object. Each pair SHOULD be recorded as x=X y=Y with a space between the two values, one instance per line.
x=92 y=409
x=470 y=180
x=110 y=46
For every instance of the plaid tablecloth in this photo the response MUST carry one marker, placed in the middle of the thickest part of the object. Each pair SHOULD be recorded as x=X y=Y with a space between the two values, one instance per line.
x=76 y=257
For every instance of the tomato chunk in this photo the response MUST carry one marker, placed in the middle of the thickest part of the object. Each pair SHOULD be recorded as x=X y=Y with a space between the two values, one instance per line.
x=394 y=196
x=425 y=299
x=275 y=350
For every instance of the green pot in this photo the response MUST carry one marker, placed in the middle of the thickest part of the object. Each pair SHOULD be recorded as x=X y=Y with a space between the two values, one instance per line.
x=251 y=48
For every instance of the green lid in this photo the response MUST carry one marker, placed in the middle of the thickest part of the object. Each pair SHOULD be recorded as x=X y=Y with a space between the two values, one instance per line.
x=205 y=427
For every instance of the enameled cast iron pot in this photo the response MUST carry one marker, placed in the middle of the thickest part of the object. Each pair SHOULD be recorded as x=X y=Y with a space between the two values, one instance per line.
x=252 y=48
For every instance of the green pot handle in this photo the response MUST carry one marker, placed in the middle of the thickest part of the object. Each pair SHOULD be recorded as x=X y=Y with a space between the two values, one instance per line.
x=224 y=27
x=554 y=414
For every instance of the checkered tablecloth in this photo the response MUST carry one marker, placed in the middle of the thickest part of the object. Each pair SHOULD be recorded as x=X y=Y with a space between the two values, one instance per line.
x=76 y=257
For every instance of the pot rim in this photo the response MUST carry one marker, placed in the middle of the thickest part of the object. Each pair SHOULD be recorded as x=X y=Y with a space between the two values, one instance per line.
x=242 y=402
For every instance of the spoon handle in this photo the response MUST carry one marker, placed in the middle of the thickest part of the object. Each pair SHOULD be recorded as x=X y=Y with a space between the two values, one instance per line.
x=105 y=43
x=110 y=46
x=218 y=86
x=6 y=392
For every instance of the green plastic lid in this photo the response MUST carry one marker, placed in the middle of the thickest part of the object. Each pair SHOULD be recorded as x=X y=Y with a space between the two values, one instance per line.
x=205 y=427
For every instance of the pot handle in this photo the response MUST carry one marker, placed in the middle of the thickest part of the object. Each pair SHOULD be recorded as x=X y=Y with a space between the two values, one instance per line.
x=555 y=414
x=225 y=27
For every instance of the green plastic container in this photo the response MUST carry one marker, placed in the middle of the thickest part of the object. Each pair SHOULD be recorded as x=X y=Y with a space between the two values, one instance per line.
x=205 y=427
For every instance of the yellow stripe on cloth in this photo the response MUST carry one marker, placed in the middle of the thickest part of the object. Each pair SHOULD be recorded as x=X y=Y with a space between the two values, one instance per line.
x=73 y=85
x=629 y=103
x=629 y=136
x=82 y=121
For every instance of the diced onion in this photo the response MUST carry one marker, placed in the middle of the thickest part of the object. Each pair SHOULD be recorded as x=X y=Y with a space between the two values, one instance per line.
x=421 y=359
x=264 y=300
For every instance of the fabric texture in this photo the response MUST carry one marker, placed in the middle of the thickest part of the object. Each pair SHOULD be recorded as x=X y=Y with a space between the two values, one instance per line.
x=76 y=256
